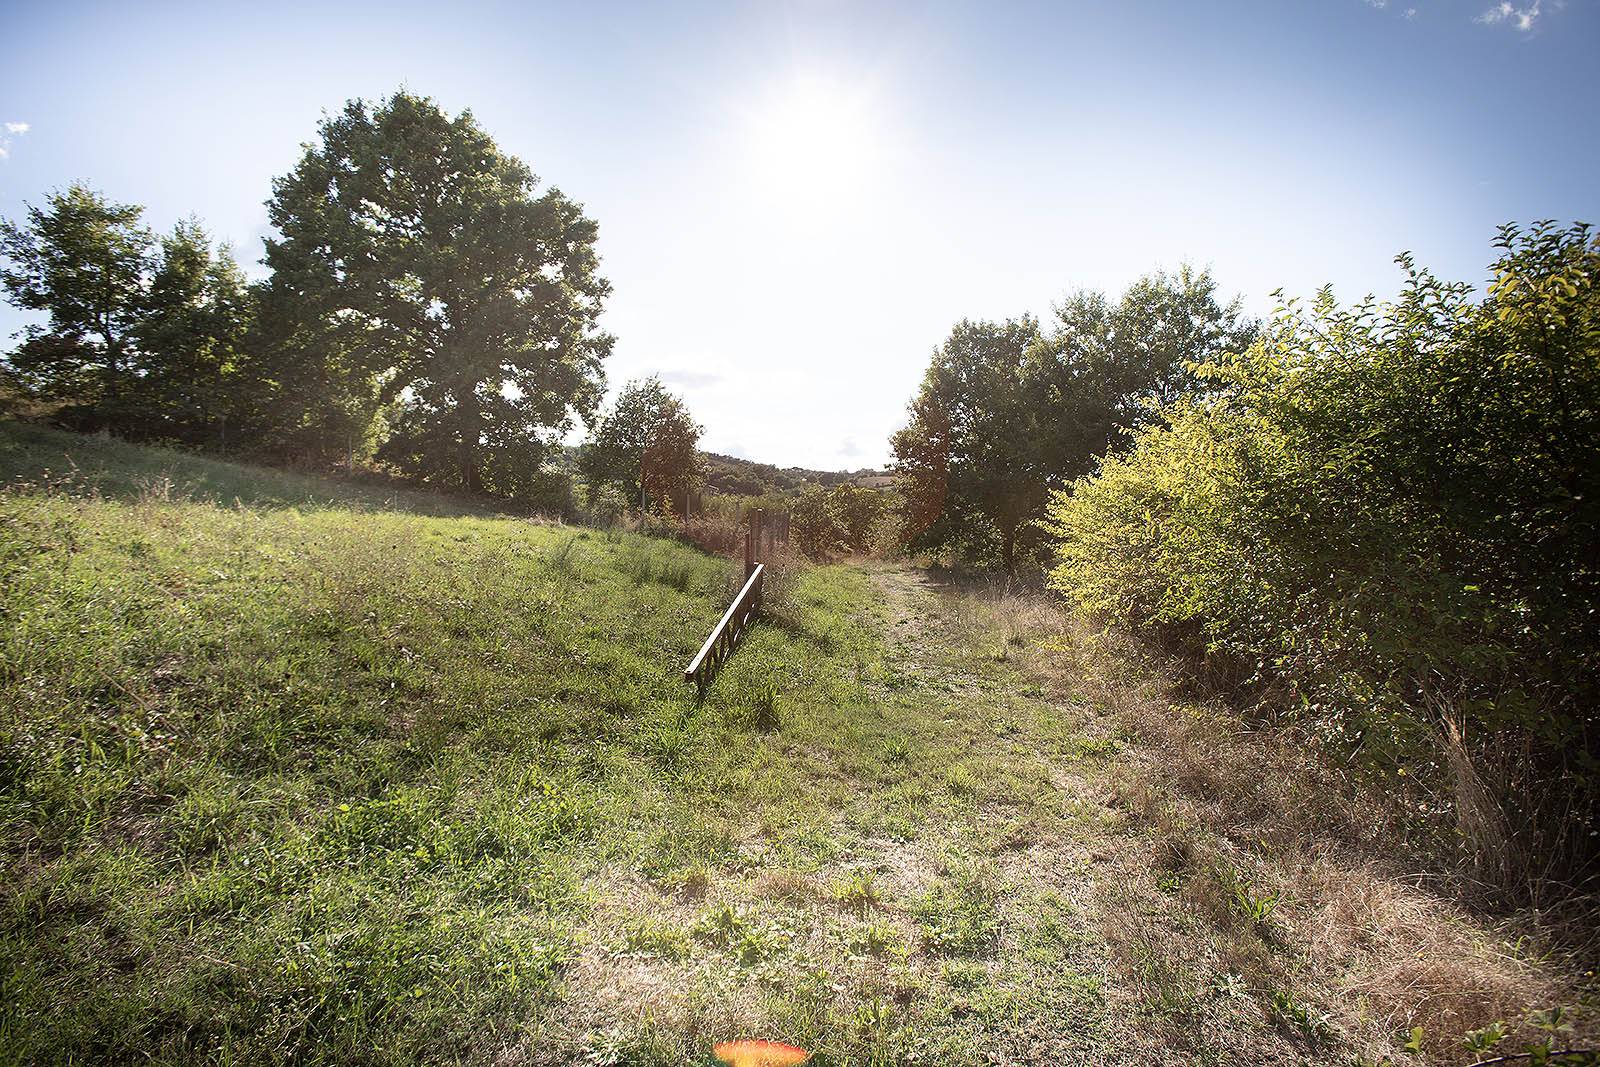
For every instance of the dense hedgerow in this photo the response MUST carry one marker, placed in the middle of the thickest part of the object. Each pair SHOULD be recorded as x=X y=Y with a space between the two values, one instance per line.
x=1386 y=517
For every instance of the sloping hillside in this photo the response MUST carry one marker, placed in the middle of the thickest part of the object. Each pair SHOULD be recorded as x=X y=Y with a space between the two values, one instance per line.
x=304 y=776
x=743 y=477
x=295 y=771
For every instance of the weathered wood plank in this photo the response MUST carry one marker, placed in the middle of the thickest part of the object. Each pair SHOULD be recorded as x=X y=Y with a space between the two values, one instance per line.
x=732 y=626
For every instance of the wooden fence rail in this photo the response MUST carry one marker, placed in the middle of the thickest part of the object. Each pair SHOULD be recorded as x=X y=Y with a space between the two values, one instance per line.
x=739 y=617
x=741 y=614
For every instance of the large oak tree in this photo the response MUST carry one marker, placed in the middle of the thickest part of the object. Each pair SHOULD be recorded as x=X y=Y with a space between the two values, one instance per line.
x=410 y=241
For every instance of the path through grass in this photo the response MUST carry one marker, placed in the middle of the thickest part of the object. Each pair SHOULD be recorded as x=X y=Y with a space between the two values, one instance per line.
x=294 y=773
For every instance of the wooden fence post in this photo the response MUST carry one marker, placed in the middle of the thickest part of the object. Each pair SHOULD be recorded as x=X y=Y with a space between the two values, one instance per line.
x=750 y=543
x=758 y=523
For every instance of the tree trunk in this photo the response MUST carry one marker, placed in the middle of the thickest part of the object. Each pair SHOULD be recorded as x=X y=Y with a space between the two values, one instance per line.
x=1008 y=549
x=110 y=398
x=113 y=368
x=468 y=428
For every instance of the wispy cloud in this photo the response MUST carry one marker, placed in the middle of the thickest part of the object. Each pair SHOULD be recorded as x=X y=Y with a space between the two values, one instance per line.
x=1520 y=18
x=1521 y=15
x=13 y=131
x=1409 y=14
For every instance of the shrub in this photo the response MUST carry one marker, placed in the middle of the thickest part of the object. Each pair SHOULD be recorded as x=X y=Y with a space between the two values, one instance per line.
x=1385 y=519
x=551 y=492
x=604 y=506
x=843 y=519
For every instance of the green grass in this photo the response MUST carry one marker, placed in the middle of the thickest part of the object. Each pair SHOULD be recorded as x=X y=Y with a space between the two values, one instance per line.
x=308 y=781
x=294 y=770
x=36 y=459
x=313 y=771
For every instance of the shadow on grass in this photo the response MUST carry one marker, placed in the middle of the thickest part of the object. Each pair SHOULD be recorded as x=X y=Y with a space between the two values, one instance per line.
x=38 y=458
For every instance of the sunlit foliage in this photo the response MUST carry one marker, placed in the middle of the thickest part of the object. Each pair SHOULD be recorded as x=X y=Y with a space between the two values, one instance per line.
x=1388 y=515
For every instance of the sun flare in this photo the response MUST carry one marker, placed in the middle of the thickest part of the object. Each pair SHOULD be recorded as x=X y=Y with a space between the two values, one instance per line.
x=814 y=141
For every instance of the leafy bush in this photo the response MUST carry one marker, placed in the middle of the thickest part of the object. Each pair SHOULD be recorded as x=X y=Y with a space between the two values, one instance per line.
x=843 y=519
x=604 y=506
x=551 y=492
x=1385 y=519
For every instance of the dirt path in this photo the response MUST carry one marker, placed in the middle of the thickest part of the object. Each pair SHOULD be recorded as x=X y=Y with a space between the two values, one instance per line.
x=910 y=601
x=976 y=861
x=1211 y=899
x=1031 y=832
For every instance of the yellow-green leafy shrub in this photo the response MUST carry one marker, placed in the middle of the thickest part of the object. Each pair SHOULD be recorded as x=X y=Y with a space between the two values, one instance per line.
x=1385 y=518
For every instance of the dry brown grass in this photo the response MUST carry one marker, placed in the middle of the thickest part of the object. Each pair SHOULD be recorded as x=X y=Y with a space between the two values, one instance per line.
x=631 y=987
x=719 y=536
x=1363 y=940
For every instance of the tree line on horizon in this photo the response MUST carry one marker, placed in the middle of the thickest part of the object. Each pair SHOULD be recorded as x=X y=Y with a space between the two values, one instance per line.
x=428 y=305
x=1008 y=411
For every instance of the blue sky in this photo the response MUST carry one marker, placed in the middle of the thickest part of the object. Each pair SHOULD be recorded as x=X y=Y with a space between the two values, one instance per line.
x=797 y=200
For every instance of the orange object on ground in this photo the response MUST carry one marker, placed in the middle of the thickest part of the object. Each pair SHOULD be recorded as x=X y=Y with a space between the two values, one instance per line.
x=752 y=1053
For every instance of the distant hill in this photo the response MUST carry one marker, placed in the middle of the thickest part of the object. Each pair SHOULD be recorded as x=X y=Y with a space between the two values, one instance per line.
x=743 y=477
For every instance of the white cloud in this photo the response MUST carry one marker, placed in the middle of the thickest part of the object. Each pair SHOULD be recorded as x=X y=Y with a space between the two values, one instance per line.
x=13 y=130
x=1522 y=18
x=1408 y=13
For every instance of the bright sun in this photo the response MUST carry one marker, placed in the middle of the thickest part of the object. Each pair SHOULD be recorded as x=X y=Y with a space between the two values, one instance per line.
x=815 y=141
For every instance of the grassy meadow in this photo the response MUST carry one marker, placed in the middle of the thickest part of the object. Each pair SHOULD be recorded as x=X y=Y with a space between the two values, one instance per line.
x=294 y=770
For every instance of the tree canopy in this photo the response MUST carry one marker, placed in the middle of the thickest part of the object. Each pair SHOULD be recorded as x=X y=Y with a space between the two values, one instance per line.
x=144 y=336
x=193 y=338
x=429 y=260
x=645 y=444
x=86 y=261
x=972 y=449
x=1106 y=368
x=1008 y=411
